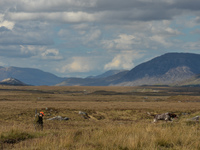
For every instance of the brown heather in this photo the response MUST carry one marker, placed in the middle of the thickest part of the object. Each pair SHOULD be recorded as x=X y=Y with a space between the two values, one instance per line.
x=119 y=119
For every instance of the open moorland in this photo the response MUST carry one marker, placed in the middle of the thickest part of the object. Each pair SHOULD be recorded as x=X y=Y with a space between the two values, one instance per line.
x=118 y=118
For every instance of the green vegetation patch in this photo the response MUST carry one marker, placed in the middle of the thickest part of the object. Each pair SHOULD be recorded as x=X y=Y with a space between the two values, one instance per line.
x=14 y=136
x=164 y=143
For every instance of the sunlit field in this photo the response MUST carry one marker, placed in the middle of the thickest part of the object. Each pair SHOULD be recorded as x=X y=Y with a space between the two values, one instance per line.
x=118 y=118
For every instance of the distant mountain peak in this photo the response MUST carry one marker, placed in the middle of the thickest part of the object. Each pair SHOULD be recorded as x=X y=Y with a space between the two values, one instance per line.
x=167 y=69
x=12 y=81
x=164 y=69
x=30 y=76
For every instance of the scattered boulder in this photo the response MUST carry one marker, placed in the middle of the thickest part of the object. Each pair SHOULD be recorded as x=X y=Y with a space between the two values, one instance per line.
x=84 y=114
x=58 y=118
x=184 y=113
x=196 y=118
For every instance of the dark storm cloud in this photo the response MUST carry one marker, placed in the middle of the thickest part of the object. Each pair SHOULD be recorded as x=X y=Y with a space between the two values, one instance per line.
x=153 y=5
x=144 y=10
x=103 y=10
x=192 y=5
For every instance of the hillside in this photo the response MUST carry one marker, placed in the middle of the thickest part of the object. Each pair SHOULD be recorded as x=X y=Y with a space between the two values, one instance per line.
x=174 y=69
x=193 y=81
x=167 y=69
x=101 y=80
x=29 y=76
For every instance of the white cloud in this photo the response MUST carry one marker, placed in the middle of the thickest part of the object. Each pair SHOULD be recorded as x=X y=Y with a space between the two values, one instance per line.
x=79 y=64
x=144 y=35
x=123 y=60
x=41 y=52
x=32 y=50
x=92 y=36
x=81 y=26
x=163 y=28
x=159 y=39
x=52 y=5
x=51 y=54
x=67 y=17
x=122 y=42
x=190 y=22
x=75 y=32
x=5 y=23
x=191 y=46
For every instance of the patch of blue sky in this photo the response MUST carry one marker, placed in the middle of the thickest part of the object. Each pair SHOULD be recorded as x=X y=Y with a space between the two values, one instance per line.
x=189 y=34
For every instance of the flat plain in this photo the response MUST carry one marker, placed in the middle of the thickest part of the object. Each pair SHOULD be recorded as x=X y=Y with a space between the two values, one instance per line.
x=118 y=118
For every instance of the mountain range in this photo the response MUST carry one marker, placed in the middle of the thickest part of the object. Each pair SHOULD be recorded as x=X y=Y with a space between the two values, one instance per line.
x=173 y=69
x=29 y=76
x=170 y=69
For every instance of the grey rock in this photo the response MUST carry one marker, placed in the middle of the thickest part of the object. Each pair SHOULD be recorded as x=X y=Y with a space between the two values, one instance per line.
x=58 y=118
x=196 y=118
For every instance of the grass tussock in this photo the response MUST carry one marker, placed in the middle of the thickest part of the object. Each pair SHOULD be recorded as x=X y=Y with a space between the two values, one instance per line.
x=14 y=136
x=119 y=137
x=118 y=118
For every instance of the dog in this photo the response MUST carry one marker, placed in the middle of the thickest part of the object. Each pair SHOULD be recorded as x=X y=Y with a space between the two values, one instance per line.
x=165 y=116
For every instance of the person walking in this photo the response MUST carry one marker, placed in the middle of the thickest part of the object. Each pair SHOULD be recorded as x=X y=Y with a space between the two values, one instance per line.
x=39 y=121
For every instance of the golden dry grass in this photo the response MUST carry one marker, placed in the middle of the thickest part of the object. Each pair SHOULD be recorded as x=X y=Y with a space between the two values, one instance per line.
x=119 y=119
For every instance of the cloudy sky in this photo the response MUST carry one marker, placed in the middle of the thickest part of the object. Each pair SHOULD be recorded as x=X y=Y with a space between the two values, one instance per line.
x=88 y=37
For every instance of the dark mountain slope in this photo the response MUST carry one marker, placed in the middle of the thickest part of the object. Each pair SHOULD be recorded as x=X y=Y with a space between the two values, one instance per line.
x=162 y=64
x=108 y=80
x=168 y=69
x=92 y=81
x=29 y=76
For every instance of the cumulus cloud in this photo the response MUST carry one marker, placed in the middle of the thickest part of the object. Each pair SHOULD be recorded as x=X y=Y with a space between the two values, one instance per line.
x=78 y=11
x=50 y=5
x=51 y=54
x=5 y=23
x=90 y=34
x=160 y=40
x=123 y=60
x=149 y=35
x=30 y=49
x=79 y=64
x=41 y=52
x=122 y=42
x=65 y=17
